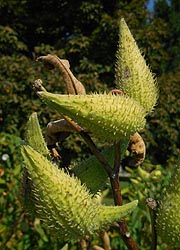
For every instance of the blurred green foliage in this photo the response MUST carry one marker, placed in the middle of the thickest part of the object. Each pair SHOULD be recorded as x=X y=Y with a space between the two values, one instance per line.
x=162 y=131
x=147 y=181
x=85 y=33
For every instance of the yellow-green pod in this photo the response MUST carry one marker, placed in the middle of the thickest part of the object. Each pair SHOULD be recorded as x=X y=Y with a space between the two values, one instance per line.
x=133 y=76
x=168 y=212
x=108 y=117
x=63 y=203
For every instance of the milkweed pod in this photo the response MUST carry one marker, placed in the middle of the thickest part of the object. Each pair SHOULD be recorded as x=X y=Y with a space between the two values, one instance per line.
x=66 y=206
x=34 y=135
x=108 y=117
x=108 y=214
x=36 y=140
x=168 y=212
x=133 y=75
x=61 y=201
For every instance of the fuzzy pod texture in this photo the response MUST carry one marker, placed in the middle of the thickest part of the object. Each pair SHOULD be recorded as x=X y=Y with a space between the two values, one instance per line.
x=66 y=206
x=133 y=76
x=108 y=117
x=88 y=171
x=168 y=212
x=36 y=140
x=34 y=135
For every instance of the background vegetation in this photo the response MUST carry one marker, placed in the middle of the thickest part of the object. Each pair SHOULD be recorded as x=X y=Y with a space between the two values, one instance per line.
x=85 y=33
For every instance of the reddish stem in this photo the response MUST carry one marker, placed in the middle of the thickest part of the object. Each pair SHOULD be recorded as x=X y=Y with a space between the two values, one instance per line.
x=113 y=174
x=121 y=226
x=118 y=201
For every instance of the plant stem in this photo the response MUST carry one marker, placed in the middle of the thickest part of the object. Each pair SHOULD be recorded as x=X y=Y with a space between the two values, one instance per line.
x=96 y=152
x=118 y=201
x=115 y=184
x=126 y=236
x=114 y=178
x=117 y=156
x=152 y=205
x=90 y=144
x=113 y=174
x=121 y=227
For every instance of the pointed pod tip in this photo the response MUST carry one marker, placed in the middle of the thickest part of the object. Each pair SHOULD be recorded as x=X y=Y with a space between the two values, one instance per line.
x=24 y=148
x=45 y=95
x=135 y=202
x=33 y=116
x=109 y=214
x=28 y=152
x=40 y=93
x=132 y=204
x=123 y=22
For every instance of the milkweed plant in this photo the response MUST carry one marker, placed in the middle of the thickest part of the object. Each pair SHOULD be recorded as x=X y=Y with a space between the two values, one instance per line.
x=70 y=201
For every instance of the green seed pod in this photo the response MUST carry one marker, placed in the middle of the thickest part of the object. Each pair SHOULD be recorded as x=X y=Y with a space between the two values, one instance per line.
x=109 y=117
x=65 y=205
x=36 y=140
x=109 y=214
x=168 y=212
x=133 y=76
x=34 y=136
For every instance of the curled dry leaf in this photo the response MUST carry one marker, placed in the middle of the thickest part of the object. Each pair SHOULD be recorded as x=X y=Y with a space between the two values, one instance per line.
x=137 y=150
x=57 y=131
x=73 y=86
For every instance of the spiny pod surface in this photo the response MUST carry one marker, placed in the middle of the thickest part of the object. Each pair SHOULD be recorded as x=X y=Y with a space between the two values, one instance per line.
x=168 y=213
x=66 y=206
x=34 y=136
x=109 y=117
x=133 y=76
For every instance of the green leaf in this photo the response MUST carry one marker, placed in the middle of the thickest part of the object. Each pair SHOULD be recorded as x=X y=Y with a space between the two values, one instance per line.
x=92 y=173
